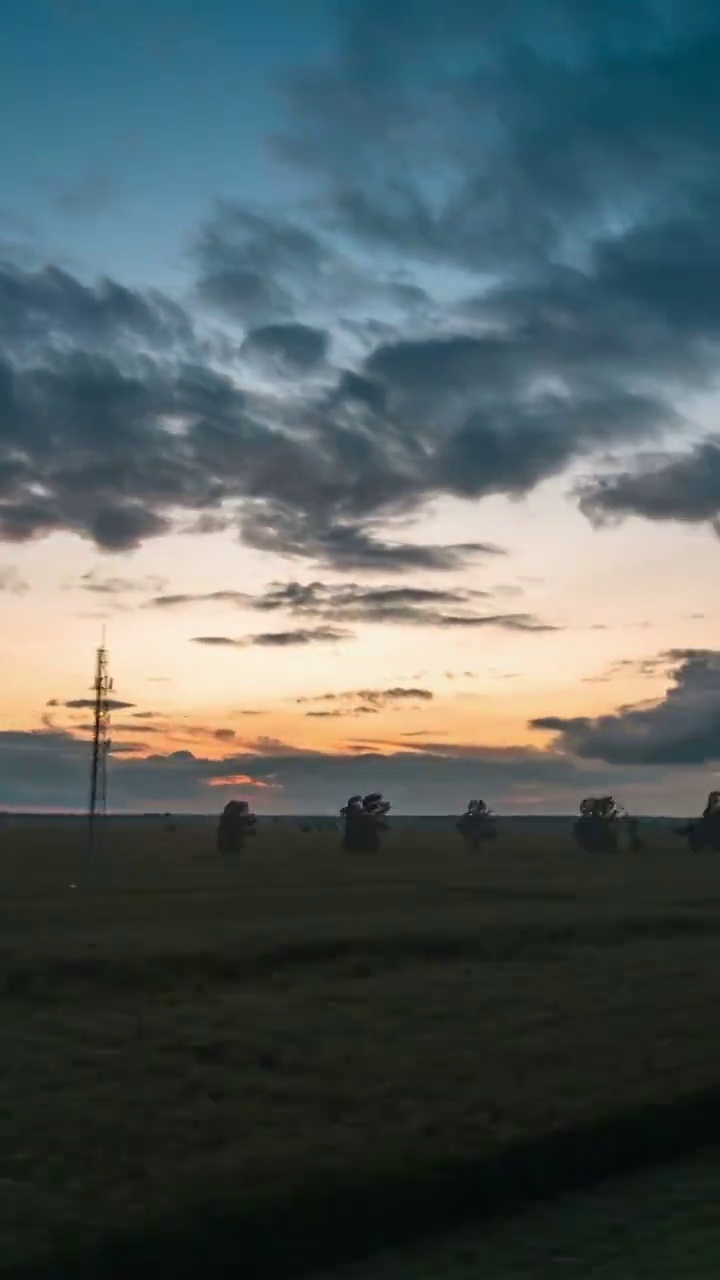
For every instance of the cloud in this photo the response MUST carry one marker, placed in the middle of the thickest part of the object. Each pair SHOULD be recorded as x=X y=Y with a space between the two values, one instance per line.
x=354 y=602
x=683 y=487
x=286 y=348
x=113 y=449
x=112 y=704
x=47 y=308
x=348 y=547
x=560 y=193
x=572 y=176
x=532 y=141
x=310 y=635
x=49 y=768
x=219 y=641
x=97 y=584
x=251 y=266
x=398 y=694
x=682 y=728
x=278 y=639
x=172 y=601
x=118 y=727
x=115 y=446
x=356 y=702
x=420 y=606
x=259 y=268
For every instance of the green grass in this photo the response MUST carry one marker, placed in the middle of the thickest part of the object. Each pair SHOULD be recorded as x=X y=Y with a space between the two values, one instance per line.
x=183 y=1039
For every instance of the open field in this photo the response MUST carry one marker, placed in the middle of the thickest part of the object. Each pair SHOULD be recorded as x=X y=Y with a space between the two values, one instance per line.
x=192 y=1049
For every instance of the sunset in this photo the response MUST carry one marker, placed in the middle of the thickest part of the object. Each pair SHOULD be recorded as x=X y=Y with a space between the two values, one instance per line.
x=359 y=639
x=380 y=441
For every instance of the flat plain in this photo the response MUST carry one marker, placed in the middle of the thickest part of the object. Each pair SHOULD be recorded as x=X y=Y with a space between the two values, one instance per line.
x=195 y=1049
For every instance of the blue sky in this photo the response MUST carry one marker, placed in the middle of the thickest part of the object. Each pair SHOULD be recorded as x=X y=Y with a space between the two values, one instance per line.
x=358 y=373
x=121 y=120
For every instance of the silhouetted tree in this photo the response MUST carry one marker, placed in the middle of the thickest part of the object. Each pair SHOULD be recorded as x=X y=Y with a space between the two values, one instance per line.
x=596 y=830
x=477 y=825
x=235 y=825
x=364 y=821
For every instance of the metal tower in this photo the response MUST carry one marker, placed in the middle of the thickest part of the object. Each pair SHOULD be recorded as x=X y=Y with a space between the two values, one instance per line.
x=102 y=688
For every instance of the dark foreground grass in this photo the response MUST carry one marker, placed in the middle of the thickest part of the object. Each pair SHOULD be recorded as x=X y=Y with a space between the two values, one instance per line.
x=662 y=1224
x=288 y=1063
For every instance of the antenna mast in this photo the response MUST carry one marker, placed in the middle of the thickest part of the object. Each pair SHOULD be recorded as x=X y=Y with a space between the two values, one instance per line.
x=102 y=688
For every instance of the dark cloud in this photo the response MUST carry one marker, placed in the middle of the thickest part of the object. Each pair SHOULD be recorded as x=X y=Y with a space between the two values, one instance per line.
x=349 y=547
x=532 y=139
x=683 y=487
x=48 y=307
x=421 y=606
x=682 y=728
x=220 y=641
x=262 y=269
x=310 y=635
x=506 y=411
x=278 y=639
x=251 y=266
x=114 y=450
x=353 y=602
x=575 y=170
x=171 y=601
x=355 y=702
x=49 y=768
x=287 y=348
x=97 y=455
x=112 y=704
x=381 y=697
x=571 y=178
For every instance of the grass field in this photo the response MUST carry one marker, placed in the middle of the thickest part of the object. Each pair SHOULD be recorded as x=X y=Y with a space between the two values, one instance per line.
x=192 y=1050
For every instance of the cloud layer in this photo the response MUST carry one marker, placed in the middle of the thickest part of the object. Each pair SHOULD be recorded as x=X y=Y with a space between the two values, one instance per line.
x=354 y=602
x=570 y=180
x=277 y=777
x=278 y=639
x=683 y=728
x=649 y=754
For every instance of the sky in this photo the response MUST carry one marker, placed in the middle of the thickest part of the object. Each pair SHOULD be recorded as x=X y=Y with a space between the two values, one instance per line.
x=358 y=380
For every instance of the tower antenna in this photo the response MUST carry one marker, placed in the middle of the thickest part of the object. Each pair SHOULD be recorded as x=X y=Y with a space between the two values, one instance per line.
x=102 y=687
